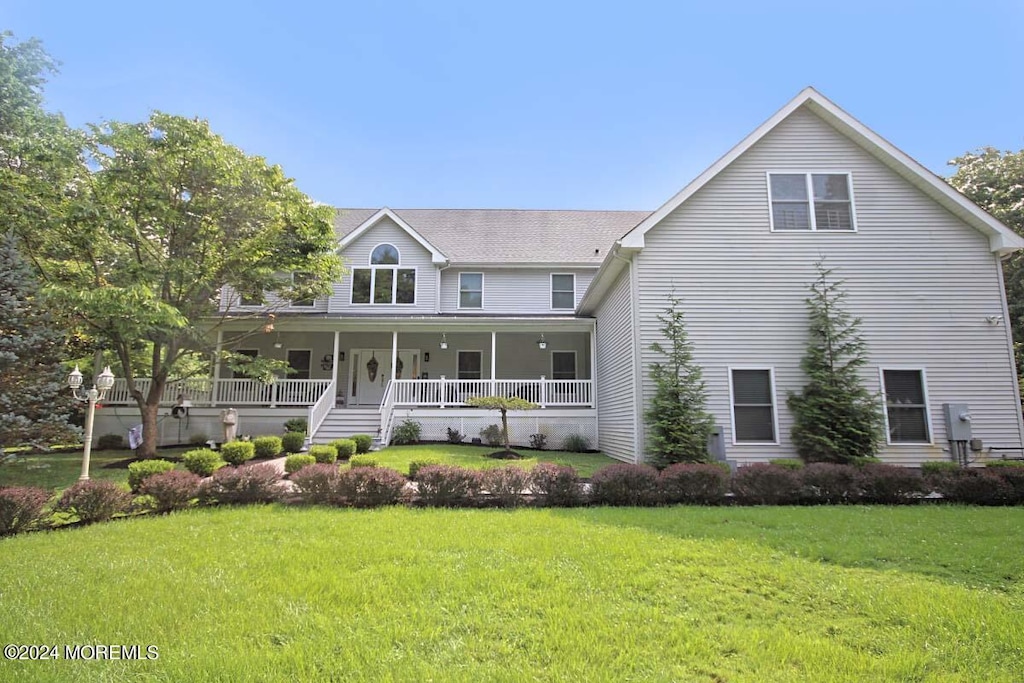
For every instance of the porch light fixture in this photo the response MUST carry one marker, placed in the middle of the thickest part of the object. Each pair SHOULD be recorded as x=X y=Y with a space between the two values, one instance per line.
x=277 y=341
x=541 y=344
x=103 y=384
x=444 y=341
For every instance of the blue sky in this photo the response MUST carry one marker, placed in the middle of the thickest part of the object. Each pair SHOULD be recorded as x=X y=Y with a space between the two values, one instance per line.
x=530 y=104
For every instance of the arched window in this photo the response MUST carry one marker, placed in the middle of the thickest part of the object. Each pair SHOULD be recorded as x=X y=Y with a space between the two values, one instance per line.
x=384 y=282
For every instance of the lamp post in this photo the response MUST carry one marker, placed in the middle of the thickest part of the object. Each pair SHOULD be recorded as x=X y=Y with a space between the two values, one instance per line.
x=98 y=391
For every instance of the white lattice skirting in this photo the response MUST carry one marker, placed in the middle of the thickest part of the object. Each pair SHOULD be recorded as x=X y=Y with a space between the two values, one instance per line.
x=555 y=425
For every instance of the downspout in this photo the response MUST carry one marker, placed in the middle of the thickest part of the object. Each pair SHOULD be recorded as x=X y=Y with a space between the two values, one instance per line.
x=437 y=293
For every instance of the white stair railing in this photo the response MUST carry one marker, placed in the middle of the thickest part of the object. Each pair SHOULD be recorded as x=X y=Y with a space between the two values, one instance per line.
x=387 y=413
x=319 y=411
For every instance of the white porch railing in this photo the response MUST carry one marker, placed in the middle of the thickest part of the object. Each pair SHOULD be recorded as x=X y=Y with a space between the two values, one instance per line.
x=318 y=411
x=232 y=392
x=387 y=413
x=454 y=392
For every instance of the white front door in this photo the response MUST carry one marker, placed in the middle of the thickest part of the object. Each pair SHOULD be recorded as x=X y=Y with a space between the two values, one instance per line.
x=371 y=371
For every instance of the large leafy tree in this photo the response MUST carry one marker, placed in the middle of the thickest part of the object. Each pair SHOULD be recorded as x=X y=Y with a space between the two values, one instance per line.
x=35 y=406
x=994 y=181
x=168 y=215
x=679 y=421
x=835 y=418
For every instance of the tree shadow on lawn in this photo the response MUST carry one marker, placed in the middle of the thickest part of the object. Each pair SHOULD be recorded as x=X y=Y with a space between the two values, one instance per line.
x=977 y=547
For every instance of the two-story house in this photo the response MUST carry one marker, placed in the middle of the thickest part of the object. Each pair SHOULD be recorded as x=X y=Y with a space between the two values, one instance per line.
x=561 y=307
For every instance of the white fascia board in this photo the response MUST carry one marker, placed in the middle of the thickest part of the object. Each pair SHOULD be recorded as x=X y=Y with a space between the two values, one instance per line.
x=436 y=256
x=610 y=268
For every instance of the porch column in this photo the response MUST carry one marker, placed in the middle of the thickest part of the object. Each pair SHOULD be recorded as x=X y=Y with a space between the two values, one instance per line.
x=494 y=362
x=394 y=354
x=216 y=368
x=334 y=370
x=593 y=366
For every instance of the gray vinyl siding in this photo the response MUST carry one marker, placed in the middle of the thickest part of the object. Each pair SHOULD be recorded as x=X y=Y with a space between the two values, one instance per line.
x=922 y=281
x=413 y=255
x=511 y=290
x=616 y=407
x=272 y=302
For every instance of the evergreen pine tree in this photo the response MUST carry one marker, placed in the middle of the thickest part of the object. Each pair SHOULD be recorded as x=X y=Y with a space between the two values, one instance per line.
x=836 y=419
x=35 y=403
x=679 y=423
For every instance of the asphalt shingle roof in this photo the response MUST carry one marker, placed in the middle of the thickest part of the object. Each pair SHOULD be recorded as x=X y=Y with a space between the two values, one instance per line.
x=510 y=236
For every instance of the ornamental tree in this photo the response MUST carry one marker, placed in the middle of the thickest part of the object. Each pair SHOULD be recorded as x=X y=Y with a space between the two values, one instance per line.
x=169 y=215
x=504 y=404
x=680 y=424
x=835 y=418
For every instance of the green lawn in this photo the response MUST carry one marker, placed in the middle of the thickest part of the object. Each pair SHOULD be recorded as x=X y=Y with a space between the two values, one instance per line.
x=599 y=594
x=60 y=470
x=399 y=457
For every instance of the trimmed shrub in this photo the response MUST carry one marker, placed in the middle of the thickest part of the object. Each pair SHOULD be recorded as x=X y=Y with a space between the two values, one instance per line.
x=94 y=501
x=788 y=463
x=345 y=448
x=296 y=461
x=939 y=467
x=367 y=487
x=999 y=464
x=317 y=484
x=325 y=454
x=937 y=474
x=237 y=452
x=694 y=483
x=1014 y=476
x=507 y=485
x=292 y=442
x=625 y=484
x=202 y=461
x=455 y=436
x=110 y=442
x=492 y=436
x=889 y=484
x=362 y=461
x=139 y=471
x=363 y=443
x=977 y=487
x=576 y=443
x=766 y=484
x=538 y=441
x=416 y=465
x=21 y=507
x=267 y=446
x=296 y=424
x=448 y=485
x=555 y=485
x=245 y=484
x=407 y=432
x=829 y=483
x=171 y=490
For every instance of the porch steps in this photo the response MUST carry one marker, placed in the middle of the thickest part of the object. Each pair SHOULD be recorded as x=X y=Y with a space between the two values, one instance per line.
x=342 y=423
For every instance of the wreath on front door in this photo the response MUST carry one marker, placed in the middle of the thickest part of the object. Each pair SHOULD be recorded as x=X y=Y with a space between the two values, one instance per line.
x=371 y=367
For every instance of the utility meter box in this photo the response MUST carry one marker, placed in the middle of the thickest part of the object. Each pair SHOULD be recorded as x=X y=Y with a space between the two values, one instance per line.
x=958 y=421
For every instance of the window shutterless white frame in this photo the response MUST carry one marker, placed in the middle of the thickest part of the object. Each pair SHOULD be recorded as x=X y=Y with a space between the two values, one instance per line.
x=927 y=404
x=775 y=405
x=369 y=259
x=293 y=304
x=459 y=292
x=309 y=370
x=575 y=368
x=458 y=363
x=551 y=298
x=373 y=283
x=810 y=201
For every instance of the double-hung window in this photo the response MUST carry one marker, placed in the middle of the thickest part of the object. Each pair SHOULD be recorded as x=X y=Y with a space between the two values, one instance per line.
x=563 y=291
x=906 y=406
x=753 y=405
x=384 y=282
x=471 y=290
x=811 y=202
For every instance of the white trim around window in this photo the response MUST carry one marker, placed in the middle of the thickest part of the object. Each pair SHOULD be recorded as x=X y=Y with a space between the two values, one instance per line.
x=552 y=290
x=309 y=370
x=458 y=293
x=373 y=282
x=810 y=200
x=923 y=374
x=311 y=303
x=774 y=405
x=575 y=367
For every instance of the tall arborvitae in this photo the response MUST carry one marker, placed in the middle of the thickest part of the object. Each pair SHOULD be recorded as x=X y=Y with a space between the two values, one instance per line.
x=679 y=423
x=836 y=418
x=35 y=404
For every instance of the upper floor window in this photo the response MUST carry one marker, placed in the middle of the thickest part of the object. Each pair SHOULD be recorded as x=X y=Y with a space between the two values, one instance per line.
x=811 y=201
x=471 y=290
x=384 y=282
x=563 y=290
x=906 y=406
